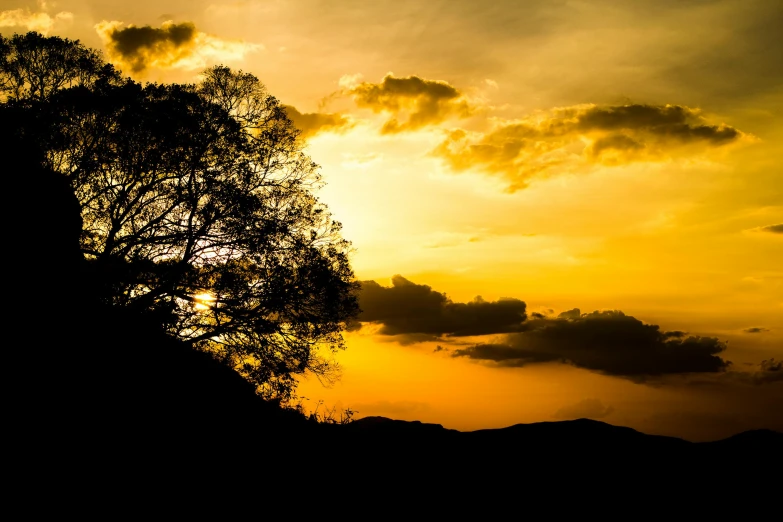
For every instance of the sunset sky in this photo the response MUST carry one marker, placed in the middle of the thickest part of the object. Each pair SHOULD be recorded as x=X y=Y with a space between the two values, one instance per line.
x=606 y=175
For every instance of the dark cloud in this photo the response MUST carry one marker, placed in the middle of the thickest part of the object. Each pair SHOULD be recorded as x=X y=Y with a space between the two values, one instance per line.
x=774 y=229
x=614 y=142
x=767 y=372
x=410 y=309
x=675 y=122
x=135 y=46
x=424 y=102
x=586 y=409
x=170 y=45
x=574 y=313
x=311 y=123
x=617 y=135
x=755 y=329
x=608 y=342
x=771 y=365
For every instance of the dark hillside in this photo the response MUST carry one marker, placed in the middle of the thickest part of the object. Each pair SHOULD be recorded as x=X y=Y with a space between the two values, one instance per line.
x=101 y=391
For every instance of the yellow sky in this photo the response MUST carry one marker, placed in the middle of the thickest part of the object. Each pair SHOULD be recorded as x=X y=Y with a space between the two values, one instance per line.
x=600 y=155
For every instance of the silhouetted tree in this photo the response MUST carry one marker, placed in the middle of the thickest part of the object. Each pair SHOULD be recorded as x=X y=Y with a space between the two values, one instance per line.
x=33 y=66
x=197 y=206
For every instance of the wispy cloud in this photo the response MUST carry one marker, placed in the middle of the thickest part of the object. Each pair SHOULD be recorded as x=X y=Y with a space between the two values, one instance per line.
x=755 y=330
x=773 y=229
x=312 y=123
x=40 y=21
x=585 y=409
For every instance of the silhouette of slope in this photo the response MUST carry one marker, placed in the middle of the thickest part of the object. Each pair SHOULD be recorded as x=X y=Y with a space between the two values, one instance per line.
x=566 y=438
x=107 y=393
x=94 y=383
x=397 y=428
x=759 y=440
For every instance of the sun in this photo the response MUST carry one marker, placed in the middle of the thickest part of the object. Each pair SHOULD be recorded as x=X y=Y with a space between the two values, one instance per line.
x=204 y=301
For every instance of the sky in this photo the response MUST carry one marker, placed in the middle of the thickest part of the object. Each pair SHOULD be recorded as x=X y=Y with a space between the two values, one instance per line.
x=559 y=209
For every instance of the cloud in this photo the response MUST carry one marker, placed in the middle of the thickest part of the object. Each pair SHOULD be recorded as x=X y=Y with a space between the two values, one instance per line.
x=767 y=372
x=774 y=229
x=755 y=329
x=574 y=138
x=350 y=81
x=607 y=342
x=360 y=160
x=172 y=45
x=311 y=123
x=421 y=102
x=410 y=309
x=771 y=369
x=40 y=21
x=586 y=409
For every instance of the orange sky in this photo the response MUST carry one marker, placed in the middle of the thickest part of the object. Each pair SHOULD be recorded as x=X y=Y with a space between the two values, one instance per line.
x=602 y=155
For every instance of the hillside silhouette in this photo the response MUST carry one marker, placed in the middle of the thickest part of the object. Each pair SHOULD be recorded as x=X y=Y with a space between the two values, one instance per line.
x=105 y=391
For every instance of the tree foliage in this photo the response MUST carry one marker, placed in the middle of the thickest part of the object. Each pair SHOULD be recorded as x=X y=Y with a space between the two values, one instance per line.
x=33 y=66
x=198 y=206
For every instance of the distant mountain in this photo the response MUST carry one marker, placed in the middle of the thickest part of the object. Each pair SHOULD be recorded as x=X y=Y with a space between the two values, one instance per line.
x=579 y=433
x=572 y=438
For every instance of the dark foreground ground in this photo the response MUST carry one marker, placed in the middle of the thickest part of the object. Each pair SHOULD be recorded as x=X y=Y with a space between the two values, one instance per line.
x=104 y=415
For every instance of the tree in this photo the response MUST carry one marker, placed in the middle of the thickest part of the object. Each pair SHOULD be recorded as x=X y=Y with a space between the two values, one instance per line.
x=198 y=206
x=33 y=66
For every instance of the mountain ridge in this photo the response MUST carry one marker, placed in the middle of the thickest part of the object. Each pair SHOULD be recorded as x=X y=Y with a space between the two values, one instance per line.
x=377 y=421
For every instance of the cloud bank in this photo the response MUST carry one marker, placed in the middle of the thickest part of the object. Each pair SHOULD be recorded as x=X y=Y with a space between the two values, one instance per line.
x=170 y=46
x=607 y=342
x=571 y=138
